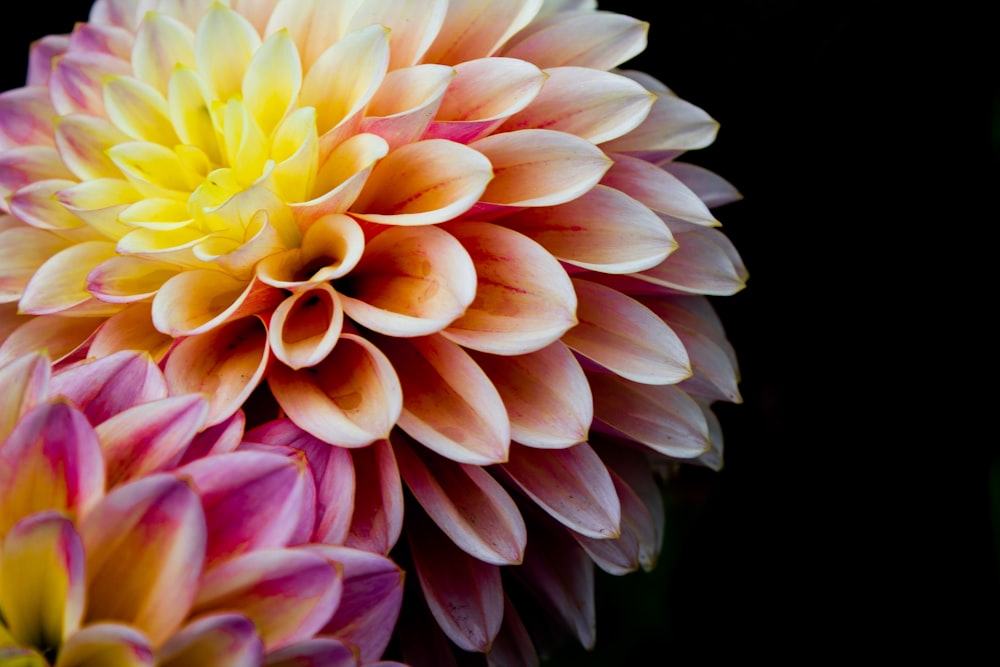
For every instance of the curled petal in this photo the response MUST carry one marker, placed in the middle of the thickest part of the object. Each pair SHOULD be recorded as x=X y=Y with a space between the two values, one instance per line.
x=50 y=460
x=406 y=102
x=341 y=177
x=465 y=502
x=572 y=485
x=474 y=30
x=305 y=326
x=331 y=248
x=289 y=594
x=226 y=364
x=705 y=262
x=221 y=298
x=378 y=503
x=316 y=652
x=111 y=644
x=524 y=299
x=42 y=583
x=658 y=189
x=104 y=387
x=450 y=404
x=219 y=640
x=145 y=546
x=412 y=281
x=25 y=383
x=424 y=183
x=131 y=329
x=604 y=230
x=595 y=39
x=61 y=282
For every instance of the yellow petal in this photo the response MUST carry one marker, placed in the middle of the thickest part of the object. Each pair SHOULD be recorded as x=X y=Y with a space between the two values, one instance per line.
x=220 y=298
x=272 y=81
x=224 y=45
x=138 y=110
x=61 y=282
x=161 y=44
x=23 y=250
x=83 y=141
x=189 y=106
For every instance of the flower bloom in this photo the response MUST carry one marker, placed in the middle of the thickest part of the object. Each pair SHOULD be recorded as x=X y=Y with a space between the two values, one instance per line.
x=115 y=549
x=450 y=239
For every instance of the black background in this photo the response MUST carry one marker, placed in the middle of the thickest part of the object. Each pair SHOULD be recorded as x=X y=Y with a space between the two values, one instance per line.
x=853 y=514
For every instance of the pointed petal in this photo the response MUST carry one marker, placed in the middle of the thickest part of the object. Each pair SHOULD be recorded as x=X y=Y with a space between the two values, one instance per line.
x=449 y=404
x=672 y=125
x=139 y=110
x=595 y=39
x=621 y=555
x=711 y=188
x=50 y=460
x=523 y=300
x=106 y=644
x=705 y=262
x=289 y=594
x=305 y=326
x=219 y=640
x=161 y=44
x=25 y=383
x=378 y=502
x=226 y=364
x=571 y=484
x=220 y=298
x=465 y=502
x=26 y=117
x=104 y=387
x=406 y=103
x=124 y=279
x=131 y=329
x=316 y=652
x=145 y=545
x=351 y=398
x=658 y=189
x=224 y=68
x=464 y=594
x=23 y=165
x=475 y=29
x=603 y=230
x=61 y=282
x=413 y=25
x=42 y=583
x=272 y=81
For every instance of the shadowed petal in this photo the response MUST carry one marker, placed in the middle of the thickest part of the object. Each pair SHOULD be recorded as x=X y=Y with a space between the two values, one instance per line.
x=104 y=387
x=305 y=326
x=331 y=248
x=21 y=657
x=124 y=278
x=25 y=384
x=378 y=503
x=316 y=652
x=220 y=438
x=594 y=39
x=621 y=555
x=108 y=645
x=474 y=30
x=59 y=337
x=513 y=646
x=406 y=103
x=341 y=177
x=221 y=299
x=658 y=189
x=711 y=188
x=219 y=640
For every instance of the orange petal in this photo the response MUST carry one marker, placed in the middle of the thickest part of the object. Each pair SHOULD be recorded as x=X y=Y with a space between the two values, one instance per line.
x=221 y=298
x=131 y=329
x=596 y=39
x=59 y=337
x=108 y=645
x=331 y=248
x=305 y=326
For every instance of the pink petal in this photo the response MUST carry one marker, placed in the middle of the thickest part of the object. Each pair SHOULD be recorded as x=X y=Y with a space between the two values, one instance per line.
x=658 y=189
x=711 y=188
x=621 y=555
x=450 y=405
x=705 y=262
x=289 y=594
x=572 y=485
x=26 y=117
x=378 y=502
x=221 y=298
x=104 y=387
x=406 y=102
x=546 y=394
x=220 y=438
x=595 y=39
x=219 y=640
x=464 y=594
x=25 y=383
x=474 y=30
x=50 y=460
x=145 y=546
x=94 y=37
x=317 y=652
x=513 y=646
x=76 y=81
x=465 y=502
x=108 y=645
x=40 y=55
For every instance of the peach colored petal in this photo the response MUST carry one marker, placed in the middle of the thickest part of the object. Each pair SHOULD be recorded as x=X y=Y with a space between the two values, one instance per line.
x=23 y=250
x=412 y=281
x=150 y=437
x=424 y=183
x=591 y=104
x=59 y=337
x=315 y=652
x=77 y=78
x=464 y=594
x=413 y=25
x=25 y=384
x=595 y=39
x=621 y=555
x=42 y=583
x=26 y=117
x=162 y=43
x=41 y=54
x=108 y=645
x=546 y=394
x=405 y=103
x=223 y=68
x=50 y=460
x=626 y=337
x=331 y=248
x=477 y=29
x=449 y=404
x=131 y=329
x=705 y=262
x=673 y=124
x=523 y=300
x=83 y=140
x=571 y=484
x=540 y=167
x=482 y=94
x=226 y=364
x=61 y=282
x=289 y=594
x=221 y=298
x=465 y=502
x=305 y=326
x=145 y=545
x=711 y=188
x=662 y=417
x=124 y=279
x=219 y=640
x=378 y=503
x=658 y=189
x=313 y=24
x=37 y=204
x=106 y=386
x=604 y=230
x=341 y=176
x=351 y=398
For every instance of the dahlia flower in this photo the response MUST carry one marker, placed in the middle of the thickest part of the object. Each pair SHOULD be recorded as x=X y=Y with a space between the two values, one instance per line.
x=121 y=545
x=445 y=247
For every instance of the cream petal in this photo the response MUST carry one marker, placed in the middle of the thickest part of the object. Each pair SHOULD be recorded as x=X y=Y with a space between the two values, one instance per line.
x=226 y=364
x=50 y=460
x=139 y=110
x=465 y=502
x=524 y=299
x=131 y=329
x=77 y=80
x=219 y=640
x=145 y=546
x=106 y=386
x=482 y=94
x=371 y=601
x=272 y=80
x=546 y=393
x=239 y=257
x=220 y=438
x=99 y=202
x=59 y=337
x=449 y=404
x=42 y=583
x=26 y=117
x=378 y=503
x=25 y=383
x=221 y=299
x=289 y=594
x=626 y=337
x=305 y=326
x=571 y=484
x=474 y=30
x=23 y=165
x=412 y=281
x=588 y=103
x=603 y=230
x=661 y=417
x=351 y=398
x=150 y=437
x=658 y=189
x=405 y=103
x=37 y=205
x=672 y=125
x=189 y=12
x=108 y=645
x=341 y=177
x=61 y=282
x=313 y=24
x=424 y=183
x=23 y=250
x=122 y=13
x=464 y=594
x=124 y=278
x=315 y=652
x=331 y=248
x=223 y=68
x=83 y=140
x=705 y=262
x=596 y=39
x=94 y=37
x=540 y=167
x=413 y=25
x=161 y=44
x=41 y=54
x=711 y=188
